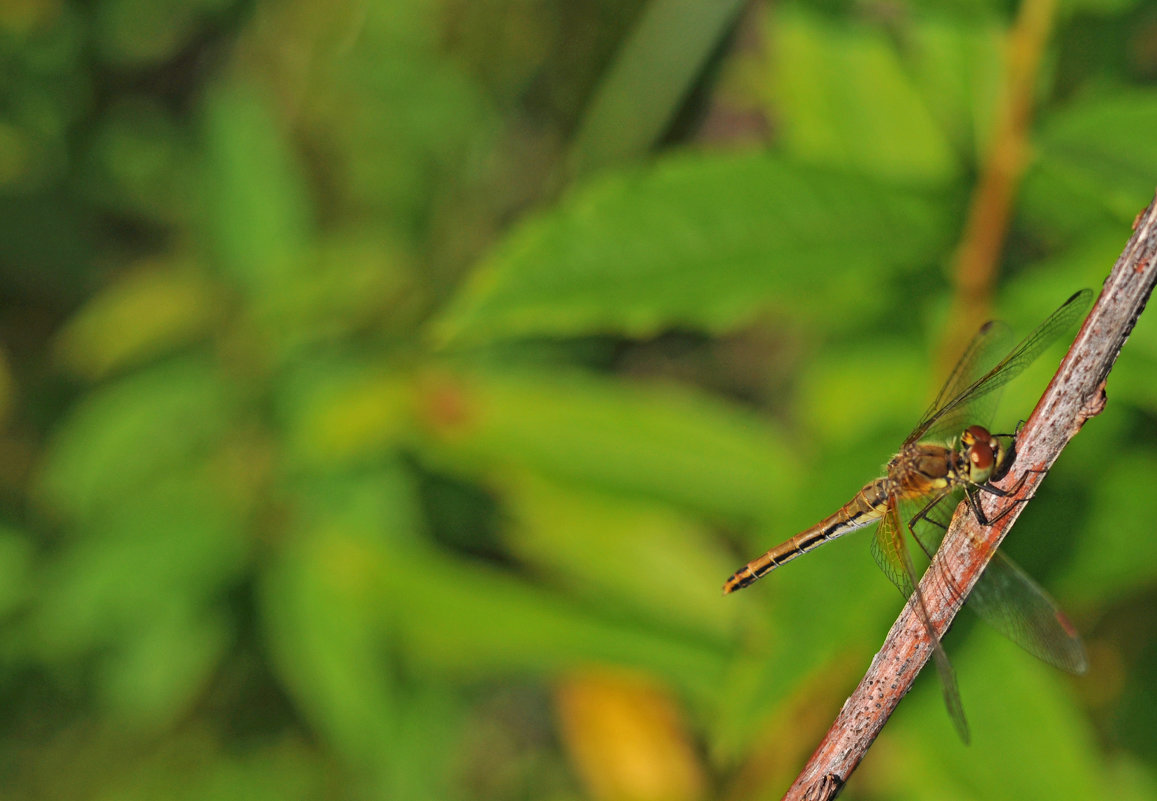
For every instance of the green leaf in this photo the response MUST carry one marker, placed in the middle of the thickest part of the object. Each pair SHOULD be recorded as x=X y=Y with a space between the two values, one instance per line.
x=478 y=622
x=154 y=677
x=623 y=552
x=332 y=638
x=1112 y=559
x=192 y=763
x=1131 y=380
x=16 y=581
x=355 y=586
x=659 y=442
x=845 y=100
x=698 y=241
x=140 y=162
x=327 y=641
x=649 y=80
x=376 y=503
x=888 y=378
x=256 y=209
x=403 y=123
x=160 y=555
x=127 y=434
x=138 y=591
x=958 y=66
x=128 y=34
x=1096 y=159
x=351 y=281
x=1107 y=8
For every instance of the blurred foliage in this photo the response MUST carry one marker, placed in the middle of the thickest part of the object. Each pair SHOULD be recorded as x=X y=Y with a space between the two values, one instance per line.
x=387 y=388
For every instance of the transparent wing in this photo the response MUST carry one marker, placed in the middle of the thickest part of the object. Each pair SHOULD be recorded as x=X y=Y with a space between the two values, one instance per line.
x=1009 y=600
x=892 y=556
x=886 y=550
x=992 y=340
x=953 y=408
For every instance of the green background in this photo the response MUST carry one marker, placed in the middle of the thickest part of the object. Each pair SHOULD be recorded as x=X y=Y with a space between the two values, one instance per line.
x=388 y=386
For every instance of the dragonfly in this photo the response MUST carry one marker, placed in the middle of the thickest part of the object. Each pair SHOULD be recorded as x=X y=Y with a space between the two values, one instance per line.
x=951 y=455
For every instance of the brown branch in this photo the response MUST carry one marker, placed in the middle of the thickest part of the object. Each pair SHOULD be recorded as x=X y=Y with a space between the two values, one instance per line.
x=1075 y=394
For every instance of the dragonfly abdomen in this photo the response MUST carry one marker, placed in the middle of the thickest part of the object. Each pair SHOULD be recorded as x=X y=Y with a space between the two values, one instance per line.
x=867 y=506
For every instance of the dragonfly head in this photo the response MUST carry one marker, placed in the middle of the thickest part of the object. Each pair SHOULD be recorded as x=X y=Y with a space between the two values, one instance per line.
x=986 y=456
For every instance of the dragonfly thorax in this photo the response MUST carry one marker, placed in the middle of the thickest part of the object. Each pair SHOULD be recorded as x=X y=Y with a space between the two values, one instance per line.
x=923 y=468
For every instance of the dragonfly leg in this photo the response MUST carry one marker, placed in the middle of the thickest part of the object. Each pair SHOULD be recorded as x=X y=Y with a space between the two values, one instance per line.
x=927 y=546
x=1003 y=512
x=923 y=515
x=891 y=540
x=997 y=491
x=974 y=505
x=970 y=490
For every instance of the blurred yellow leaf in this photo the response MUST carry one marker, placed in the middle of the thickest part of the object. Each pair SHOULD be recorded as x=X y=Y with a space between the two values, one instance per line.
x=342 y=418
x=626 y=738
x=141 y=316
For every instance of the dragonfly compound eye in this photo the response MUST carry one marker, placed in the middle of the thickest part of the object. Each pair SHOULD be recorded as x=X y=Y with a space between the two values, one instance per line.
x=975 y=434
x=980 y=455
x=981 y=460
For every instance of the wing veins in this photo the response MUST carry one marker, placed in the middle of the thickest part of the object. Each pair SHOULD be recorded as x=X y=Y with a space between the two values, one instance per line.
x=1005 y=370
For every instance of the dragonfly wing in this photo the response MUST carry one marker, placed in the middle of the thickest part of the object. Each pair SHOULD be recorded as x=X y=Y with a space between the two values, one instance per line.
x=1009 y=600
x=889 y=546
x=892 y=556
x=1017 y=607
x=993 y=339
x=886 y=547
x=952 y=409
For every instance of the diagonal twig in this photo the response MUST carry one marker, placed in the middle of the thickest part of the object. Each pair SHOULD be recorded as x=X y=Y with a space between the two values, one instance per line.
x=1075 y=394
